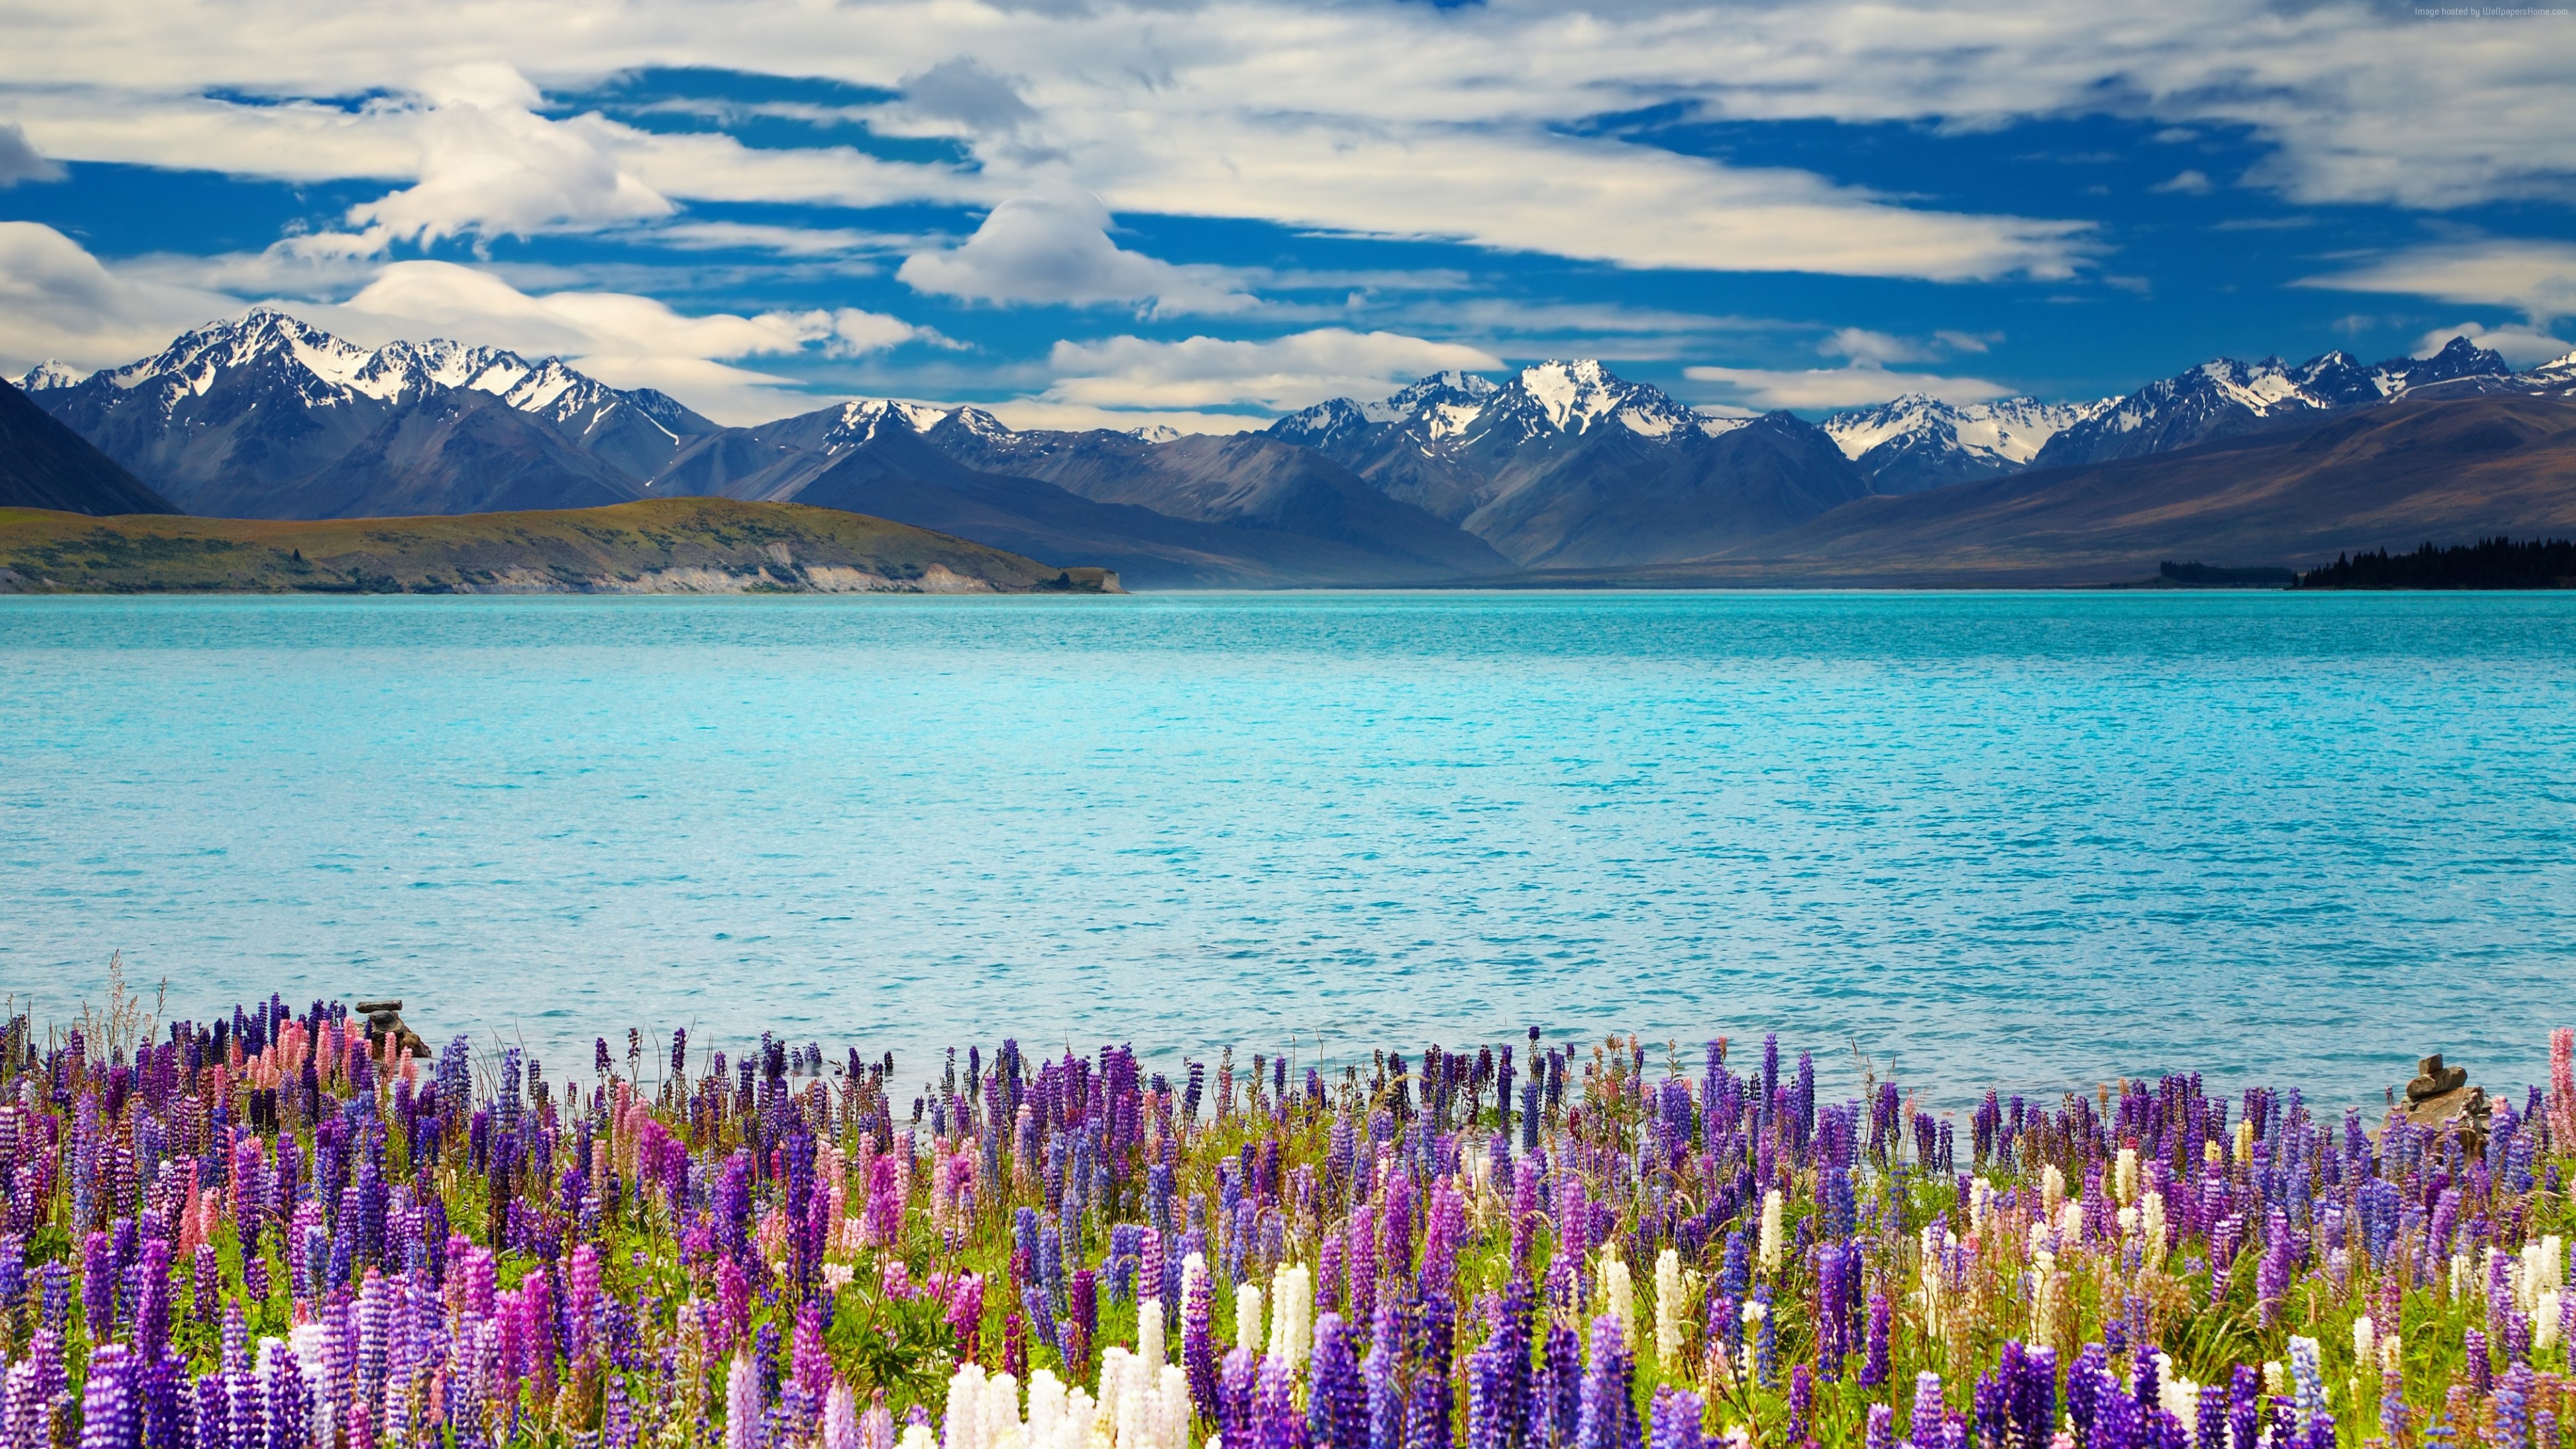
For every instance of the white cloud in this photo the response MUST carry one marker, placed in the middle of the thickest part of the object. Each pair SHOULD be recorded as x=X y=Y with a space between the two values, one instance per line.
x=1587 y=198
x=1037 y=412
x=1056 y=248
x=1389 y=120
x=2186 y=183
x=19 y=161
x=1874 y=349
x=2536 y=278
x=1280 y=375
x=621 y=339
x=785 y=241
x=1858 y=385
x=56 y=300
x=490 y=164
x=961 y=89
x=2521 y=346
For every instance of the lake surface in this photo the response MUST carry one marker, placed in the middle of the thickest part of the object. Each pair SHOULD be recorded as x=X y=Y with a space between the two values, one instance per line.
x=2027 y=840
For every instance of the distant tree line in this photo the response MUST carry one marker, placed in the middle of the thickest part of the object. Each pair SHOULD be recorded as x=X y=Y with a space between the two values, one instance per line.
x=2489 y=563
x=2200 y=575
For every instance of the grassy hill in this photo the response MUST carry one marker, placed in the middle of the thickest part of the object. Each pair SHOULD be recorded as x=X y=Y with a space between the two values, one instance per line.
x=660 y=546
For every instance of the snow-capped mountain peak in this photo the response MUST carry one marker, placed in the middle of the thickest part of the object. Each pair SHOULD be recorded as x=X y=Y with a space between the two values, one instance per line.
x=48 y=374
x=859 y=420
x=279 y=390
x=1575 y=396
x=1917 y=441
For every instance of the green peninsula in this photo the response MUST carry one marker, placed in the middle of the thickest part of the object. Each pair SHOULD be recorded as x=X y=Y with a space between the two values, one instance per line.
x=659 y=546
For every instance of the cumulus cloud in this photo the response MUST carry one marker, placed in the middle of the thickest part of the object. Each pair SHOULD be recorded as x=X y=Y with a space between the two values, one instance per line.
x=58 y=301
x=2185 y=183
x=2521 y=346
x=1056 y=248
x=1857 y=385
x=2536 y=278
x=1279 y=375
x=19 y=161
x=621 y=339
x=490 y=164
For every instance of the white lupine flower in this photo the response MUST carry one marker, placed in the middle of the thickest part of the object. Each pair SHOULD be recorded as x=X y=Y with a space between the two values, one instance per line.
x=1619 y=1295
x=1668 y=1307
x=1247 y=1318
x=1292 y=1312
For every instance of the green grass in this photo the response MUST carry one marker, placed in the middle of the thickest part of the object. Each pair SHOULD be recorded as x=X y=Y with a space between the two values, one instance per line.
x=715 y=544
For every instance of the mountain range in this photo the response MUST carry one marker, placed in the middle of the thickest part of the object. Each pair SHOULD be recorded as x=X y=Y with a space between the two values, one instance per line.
x=1563 y=467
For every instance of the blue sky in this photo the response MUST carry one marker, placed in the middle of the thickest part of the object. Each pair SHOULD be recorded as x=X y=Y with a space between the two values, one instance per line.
x=1209 y=213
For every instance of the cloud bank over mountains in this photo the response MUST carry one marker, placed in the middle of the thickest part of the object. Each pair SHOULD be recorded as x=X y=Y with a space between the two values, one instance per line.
x=1223 y=211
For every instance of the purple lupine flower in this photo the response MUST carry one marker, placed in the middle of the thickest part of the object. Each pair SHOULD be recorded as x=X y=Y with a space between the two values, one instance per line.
x=213 y=1418
x=2117 y=1421
x=1485 y=1397
x=1881 y=1433
x=1560 y=1388
x=812 y=1369
x=2088 y=1383
x=1873 y=1370
x=2209 y=1425
x=1198 y=1342
x=1337 y=1398
x=2244 y=1404
x=1385 y=1395
x=2032 y=1373
x=1990 y=1408
x=98 y=1286
x=109 y=1417
x=1674 y=1420
x=1276 y=1422
x=2512 y=1411
x=1923 y=1429
x=1234 y=1396
x=1608 y=1414
x=1426 y=1412
x=2272 y=1277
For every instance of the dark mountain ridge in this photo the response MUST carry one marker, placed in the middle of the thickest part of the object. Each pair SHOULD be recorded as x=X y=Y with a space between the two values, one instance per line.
x=2289 y=496
x=44 y=464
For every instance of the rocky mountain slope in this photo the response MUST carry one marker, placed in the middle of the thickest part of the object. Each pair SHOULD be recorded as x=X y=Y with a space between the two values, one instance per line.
x=2393 y=476
x=2224 y=398
x=1915 y=442
x=268 y=416
x=1568 y=464
x=46 y=465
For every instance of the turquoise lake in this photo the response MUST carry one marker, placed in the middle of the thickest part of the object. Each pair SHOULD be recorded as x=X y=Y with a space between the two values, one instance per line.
x=2027 y=840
